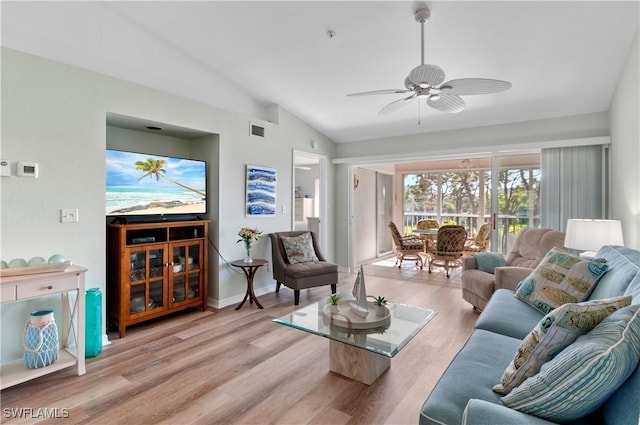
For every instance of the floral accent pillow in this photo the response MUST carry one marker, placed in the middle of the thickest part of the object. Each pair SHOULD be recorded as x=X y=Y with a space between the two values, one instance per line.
x=559 y=279
x=299 y=248
x=554 y=332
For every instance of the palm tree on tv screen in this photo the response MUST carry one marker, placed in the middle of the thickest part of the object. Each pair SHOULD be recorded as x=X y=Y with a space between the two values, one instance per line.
x=154 y=168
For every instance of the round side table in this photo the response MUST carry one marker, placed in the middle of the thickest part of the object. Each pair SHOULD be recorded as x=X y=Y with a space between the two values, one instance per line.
x=249 y=270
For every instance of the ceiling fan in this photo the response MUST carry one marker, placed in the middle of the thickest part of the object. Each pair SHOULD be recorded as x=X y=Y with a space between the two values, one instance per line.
x=426 y=81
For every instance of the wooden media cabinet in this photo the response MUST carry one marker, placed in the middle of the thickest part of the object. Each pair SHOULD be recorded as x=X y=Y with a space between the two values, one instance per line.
x=154 y=269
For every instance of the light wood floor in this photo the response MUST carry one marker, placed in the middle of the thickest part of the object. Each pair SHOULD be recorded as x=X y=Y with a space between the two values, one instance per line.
x=238 y=367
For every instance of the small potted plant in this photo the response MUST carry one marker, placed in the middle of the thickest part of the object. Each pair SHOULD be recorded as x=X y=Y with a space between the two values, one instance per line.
x=334 y=299
x=380 y=303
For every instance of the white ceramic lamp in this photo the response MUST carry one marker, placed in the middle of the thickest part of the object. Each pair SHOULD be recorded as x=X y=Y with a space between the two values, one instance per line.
x=589 y=235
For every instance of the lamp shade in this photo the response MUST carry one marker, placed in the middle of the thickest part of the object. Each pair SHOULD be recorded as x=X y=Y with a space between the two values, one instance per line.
x=591 y=235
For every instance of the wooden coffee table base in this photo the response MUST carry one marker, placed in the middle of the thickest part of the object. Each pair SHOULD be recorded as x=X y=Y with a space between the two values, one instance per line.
x=355 y=363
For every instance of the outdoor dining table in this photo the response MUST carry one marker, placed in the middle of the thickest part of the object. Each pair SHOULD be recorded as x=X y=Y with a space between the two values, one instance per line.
x=427 y=235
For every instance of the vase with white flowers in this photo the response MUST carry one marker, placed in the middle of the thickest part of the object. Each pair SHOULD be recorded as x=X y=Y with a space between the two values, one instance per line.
x=248 y=235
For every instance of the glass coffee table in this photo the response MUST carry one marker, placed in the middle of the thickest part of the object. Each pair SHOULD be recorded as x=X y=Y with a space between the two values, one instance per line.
x=361 y=354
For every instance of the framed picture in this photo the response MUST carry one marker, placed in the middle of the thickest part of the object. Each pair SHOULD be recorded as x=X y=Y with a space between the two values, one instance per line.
x=261 y=191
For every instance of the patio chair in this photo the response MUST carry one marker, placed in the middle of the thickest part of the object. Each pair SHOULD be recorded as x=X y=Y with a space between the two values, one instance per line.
x=406 y=247
x=482 y=241
x=449 y=247
x=427 y=224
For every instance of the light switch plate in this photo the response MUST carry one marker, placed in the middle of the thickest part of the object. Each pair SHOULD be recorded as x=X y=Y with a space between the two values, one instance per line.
x=69 y=215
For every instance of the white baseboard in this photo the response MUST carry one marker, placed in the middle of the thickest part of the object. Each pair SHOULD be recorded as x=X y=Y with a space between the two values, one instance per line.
x=237 y=299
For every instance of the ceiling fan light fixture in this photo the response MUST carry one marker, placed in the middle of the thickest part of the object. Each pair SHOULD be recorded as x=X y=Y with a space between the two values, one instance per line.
x=427 y=81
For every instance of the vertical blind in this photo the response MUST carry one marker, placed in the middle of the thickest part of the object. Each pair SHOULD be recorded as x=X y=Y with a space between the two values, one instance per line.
x=571 y=184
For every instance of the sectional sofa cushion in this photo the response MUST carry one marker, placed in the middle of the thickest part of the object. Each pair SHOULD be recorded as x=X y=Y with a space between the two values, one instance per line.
x=480 y=412
x=299 y=248
x=470 y=376
x=623 y=275
x=560 y=278
x=503 y=305
x=634 y=289
x=623 y=406
x=554 y=332
x=586 y=373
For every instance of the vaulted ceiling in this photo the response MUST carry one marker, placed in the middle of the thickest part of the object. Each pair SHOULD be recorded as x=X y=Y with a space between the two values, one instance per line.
x=562 y=58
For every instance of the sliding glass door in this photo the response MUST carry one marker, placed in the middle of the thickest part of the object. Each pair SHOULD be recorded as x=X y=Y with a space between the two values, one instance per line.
x=516 y=204
x=464 y=192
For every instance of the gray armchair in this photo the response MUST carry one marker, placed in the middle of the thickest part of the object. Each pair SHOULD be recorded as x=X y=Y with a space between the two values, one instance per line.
x=527 y=252
x=301 y=275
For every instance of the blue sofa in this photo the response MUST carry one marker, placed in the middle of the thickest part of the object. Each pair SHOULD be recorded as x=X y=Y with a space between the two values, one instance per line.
x=464 y=394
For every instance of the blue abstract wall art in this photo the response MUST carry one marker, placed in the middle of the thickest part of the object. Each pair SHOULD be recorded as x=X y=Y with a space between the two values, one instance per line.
x=261 y=191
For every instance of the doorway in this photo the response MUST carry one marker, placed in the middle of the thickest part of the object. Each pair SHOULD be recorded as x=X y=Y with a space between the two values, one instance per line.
x=309 y=190
x=372 y=212
x=384 y=208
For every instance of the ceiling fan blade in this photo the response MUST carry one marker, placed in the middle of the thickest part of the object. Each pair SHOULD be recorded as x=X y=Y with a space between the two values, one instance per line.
x=397 y=104
x=445 y=102
x=469 y=86
x=430 y=74
x=389 y=91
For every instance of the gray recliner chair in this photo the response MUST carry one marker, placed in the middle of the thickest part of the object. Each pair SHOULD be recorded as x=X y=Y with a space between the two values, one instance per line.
x=527 y=252
x=302 y=275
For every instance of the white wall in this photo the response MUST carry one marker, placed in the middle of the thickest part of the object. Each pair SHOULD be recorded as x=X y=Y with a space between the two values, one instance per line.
x=55 y=114
x=424 y=146
x=365 y=228
x=625 y=148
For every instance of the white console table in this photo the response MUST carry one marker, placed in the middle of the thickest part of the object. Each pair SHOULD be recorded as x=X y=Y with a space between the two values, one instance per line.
x=31 y=286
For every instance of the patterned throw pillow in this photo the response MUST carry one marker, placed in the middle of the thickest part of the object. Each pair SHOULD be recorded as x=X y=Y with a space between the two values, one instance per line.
x=559 y=279
x=299 y=248
x=555 y=331
x=585 y=374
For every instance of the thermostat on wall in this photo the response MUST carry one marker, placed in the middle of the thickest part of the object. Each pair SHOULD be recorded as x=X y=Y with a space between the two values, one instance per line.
x=5 y=168
x=27 y=169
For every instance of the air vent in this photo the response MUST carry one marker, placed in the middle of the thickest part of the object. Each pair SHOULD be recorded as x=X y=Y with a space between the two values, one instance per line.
x=256 y=130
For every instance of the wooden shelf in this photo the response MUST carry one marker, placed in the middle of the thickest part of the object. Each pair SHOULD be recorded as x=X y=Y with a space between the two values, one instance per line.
x=16 y=372
x=24 y=287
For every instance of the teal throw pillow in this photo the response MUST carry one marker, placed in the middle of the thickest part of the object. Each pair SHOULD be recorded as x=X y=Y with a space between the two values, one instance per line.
x=488 y=261
x=585 y=374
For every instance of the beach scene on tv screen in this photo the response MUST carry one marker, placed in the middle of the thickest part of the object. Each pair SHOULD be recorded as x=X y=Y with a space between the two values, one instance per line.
x=139 y=184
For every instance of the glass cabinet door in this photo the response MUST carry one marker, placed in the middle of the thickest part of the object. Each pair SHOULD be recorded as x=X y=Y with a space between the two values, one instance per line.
x=146 y=274
x=186 y=272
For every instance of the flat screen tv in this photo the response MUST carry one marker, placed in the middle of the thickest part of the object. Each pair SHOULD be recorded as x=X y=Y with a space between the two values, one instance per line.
x=154 y=186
